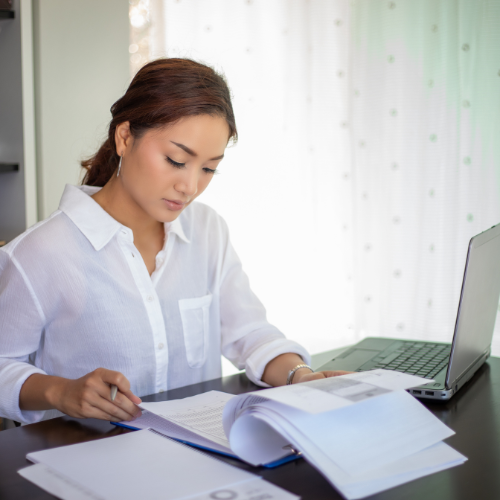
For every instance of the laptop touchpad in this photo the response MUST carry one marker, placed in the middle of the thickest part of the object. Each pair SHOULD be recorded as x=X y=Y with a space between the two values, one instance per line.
x=352 y=361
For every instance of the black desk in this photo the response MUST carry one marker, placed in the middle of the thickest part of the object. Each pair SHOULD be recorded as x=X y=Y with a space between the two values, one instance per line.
x=474 y=414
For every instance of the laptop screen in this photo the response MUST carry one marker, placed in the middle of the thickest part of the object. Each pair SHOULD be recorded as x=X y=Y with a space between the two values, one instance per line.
x=478 y=304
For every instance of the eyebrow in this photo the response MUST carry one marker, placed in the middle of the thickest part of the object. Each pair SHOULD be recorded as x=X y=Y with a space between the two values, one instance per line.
x=192 y=153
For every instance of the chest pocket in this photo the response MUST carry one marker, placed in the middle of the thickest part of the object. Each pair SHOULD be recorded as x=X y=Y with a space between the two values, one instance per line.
x=195 y=325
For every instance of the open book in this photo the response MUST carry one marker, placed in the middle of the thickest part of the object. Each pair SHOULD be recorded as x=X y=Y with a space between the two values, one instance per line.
x=362 y=431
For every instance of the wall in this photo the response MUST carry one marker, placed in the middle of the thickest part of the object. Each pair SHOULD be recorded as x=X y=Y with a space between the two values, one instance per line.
x=12 y=207
x=81 y=69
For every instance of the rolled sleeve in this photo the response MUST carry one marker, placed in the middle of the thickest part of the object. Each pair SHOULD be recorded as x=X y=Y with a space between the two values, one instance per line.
x=248 y=340
x=21 y=325
x=256 y=363
x=13 y=374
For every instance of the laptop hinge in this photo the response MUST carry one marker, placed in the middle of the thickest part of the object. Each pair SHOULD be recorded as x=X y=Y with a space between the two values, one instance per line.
x=470 y=370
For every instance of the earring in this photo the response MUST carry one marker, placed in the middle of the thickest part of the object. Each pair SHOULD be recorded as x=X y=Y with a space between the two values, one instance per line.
x=119 y=166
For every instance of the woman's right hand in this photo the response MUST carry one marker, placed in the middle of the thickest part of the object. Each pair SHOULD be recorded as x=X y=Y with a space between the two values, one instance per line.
x=90 y=397
x=85 y=397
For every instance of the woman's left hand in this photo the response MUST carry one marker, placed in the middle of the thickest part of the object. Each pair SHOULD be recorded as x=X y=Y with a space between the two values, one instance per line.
x=305 y=375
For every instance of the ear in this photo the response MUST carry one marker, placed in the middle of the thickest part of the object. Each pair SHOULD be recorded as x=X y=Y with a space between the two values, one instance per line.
x=123 y=138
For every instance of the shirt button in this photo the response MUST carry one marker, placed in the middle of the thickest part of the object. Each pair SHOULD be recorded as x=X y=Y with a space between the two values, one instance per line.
x=160 y=346
x=161 y=390
x=150 y=298
x=123 y=231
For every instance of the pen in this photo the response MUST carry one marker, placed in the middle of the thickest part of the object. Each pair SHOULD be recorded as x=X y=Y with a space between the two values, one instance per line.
x=113 y=392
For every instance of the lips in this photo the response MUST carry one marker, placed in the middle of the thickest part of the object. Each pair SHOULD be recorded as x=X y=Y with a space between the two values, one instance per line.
x=175 y=205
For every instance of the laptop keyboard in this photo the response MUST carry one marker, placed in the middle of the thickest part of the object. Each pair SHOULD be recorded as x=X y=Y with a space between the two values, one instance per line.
x=424 y=360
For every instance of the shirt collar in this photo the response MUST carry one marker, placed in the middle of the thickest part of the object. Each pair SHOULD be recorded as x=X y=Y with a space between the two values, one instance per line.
x=88 y=216
x=93 y=221
x=176 y=227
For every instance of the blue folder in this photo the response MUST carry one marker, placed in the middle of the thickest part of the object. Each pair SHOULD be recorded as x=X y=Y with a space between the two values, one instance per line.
x=271 y=465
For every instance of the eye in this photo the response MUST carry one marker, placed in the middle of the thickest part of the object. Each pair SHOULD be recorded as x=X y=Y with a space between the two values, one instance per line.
x=174 y=163
x=210 y=171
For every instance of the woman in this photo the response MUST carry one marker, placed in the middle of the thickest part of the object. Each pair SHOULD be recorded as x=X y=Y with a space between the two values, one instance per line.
x=134 y=285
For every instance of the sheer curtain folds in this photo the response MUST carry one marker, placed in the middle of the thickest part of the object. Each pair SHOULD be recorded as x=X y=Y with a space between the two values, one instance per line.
x=368 y=152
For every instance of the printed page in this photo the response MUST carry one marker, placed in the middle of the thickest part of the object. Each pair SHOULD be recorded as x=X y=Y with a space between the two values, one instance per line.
x=61 y=487
x=105 y=469
x=201 y=414
x=332 y=393
x=149 y=420
x=256 y=489
x=359 y=437
x=357 y=484
x=236 y=405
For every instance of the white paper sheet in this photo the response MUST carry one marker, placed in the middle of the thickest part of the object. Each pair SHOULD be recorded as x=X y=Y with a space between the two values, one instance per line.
x=332 y=393
x=386 y=429
x=59 y=486
x=438 y=457
x=149 y=420
x=201 y=414
x=136 y=465
x=257 y=489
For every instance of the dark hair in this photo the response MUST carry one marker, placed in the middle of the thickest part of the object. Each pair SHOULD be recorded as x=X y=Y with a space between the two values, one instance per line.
x=162 y=92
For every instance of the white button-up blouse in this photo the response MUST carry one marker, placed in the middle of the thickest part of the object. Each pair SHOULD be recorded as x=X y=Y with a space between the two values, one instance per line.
x=75 y=295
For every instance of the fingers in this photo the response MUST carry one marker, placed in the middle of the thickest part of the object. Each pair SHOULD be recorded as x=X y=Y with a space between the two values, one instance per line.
x=90 y=396
x=121 y=407
x=95 y=412
x=96 y=394
x=116 y=411
x=91 y=405
x=116 y=378
x=334 y=373
x=130 y=395
x=307 y=377
x=123 y=402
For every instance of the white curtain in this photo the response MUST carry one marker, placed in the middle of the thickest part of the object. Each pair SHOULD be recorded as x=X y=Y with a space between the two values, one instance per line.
x=425 y=81
x=368 y=153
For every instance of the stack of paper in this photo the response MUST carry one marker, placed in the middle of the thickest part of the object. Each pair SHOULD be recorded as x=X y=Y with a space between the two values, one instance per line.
x=363 y=431
x=197 y=421
x=142 y=464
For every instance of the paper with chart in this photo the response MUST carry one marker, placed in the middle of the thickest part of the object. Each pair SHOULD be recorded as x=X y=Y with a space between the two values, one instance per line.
x=357 y=466
x=330 y=394
x=387 y=429
x=201 y=414
x=434 y=459
x=102 y=470
x=363 y=431
x=61 y=487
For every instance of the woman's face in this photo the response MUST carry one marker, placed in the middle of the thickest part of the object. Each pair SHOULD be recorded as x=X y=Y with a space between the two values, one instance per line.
x=167 y=168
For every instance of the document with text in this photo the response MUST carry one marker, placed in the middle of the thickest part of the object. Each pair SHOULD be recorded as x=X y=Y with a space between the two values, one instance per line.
x=363 y=431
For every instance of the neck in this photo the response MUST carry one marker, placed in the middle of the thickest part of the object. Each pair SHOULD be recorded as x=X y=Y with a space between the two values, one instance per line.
x=115 y=200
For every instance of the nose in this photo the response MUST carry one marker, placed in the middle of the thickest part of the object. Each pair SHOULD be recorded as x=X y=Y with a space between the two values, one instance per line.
x=187 y=182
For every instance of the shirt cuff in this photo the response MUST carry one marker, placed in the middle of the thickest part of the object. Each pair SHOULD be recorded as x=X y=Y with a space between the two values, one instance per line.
x=258 y=360
x=13 y=374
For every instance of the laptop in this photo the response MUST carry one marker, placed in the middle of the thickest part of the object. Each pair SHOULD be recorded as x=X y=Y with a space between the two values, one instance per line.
x=449 y=365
